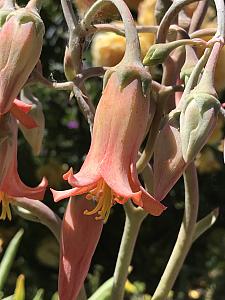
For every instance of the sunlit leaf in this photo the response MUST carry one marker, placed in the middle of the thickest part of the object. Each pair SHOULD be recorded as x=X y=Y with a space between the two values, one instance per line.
x=9 y=256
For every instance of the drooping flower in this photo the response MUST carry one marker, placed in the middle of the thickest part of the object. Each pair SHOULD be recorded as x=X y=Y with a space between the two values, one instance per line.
x=109 y=173
x=76 y=247
x=10 y=183
x=21 y=39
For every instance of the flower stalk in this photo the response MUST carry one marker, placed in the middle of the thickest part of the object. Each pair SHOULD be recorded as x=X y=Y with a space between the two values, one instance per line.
x=134 y=219
x=42 y=212
x=132 y=52
x=185 y=236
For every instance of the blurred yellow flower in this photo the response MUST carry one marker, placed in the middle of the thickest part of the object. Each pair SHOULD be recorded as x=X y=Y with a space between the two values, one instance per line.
x=130 y=287
x=146 y=12
x=217 y=134
x=206 y=162
x=194 y=294
x=108 y=47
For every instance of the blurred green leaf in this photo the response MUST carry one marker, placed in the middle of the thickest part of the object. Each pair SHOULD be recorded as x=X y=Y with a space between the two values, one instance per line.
x=8 y=298
x=9 y=256
x=39 y=295
x=104 y=291
x=55 y=296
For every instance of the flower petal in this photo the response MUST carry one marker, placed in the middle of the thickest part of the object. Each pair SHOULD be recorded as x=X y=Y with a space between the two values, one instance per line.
x=59 y=195
x=80 y=235
x=19 y=113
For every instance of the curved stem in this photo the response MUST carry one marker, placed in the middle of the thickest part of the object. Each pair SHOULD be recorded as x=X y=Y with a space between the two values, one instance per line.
x=120 y=29
x=203 y=32
x=220 y=10
x=44 y=214
x=132 y=52
x=198 y=16
x=185 y=236
x=134 y=218
x=192 y=81
x=69 y=15
x=168 y=18
x=208 y=76
x=35 y=4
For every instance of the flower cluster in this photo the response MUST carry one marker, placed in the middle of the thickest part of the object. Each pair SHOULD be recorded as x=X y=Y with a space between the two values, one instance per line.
x=21 y=38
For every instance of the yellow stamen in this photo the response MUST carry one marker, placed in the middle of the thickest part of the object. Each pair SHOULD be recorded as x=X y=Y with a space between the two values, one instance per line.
x=6 y=212
x=104 y=197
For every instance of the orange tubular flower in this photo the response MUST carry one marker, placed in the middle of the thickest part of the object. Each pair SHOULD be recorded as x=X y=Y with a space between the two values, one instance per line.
x=11 y=185
x=109 y=174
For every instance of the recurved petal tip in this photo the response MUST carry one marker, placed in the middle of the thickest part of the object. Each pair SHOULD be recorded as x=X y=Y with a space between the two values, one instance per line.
x=68 y=174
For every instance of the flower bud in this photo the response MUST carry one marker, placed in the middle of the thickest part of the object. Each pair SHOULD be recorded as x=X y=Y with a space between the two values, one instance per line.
x=168 y=160
x=197 y=121
x=159 y=52
x=156 y=54
x=21 y=40
x=34 y=136
x=69 y=65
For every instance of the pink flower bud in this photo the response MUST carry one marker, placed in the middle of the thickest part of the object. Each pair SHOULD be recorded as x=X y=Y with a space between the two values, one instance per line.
x=21 y=40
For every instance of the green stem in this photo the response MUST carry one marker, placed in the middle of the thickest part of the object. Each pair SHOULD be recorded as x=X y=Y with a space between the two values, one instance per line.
x=220 y=11
x=35 y=4
x=168 y=18
x=132 y=52
x=43 y=213
x=194 y=78
x=185 y=236
x=208 y=76
x=69 y=15
x=134 y=218
x=198 y=16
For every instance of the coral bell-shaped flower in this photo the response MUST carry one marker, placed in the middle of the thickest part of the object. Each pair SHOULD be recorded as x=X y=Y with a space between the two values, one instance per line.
x=10 y=184
x=109 y=173
x=76 y=247
x=21 y=39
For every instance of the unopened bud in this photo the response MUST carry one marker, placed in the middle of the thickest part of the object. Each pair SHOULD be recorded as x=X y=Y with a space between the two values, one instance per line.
x=197 y=121
x=168 y=159
x=159 y=52
x=69 y=65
